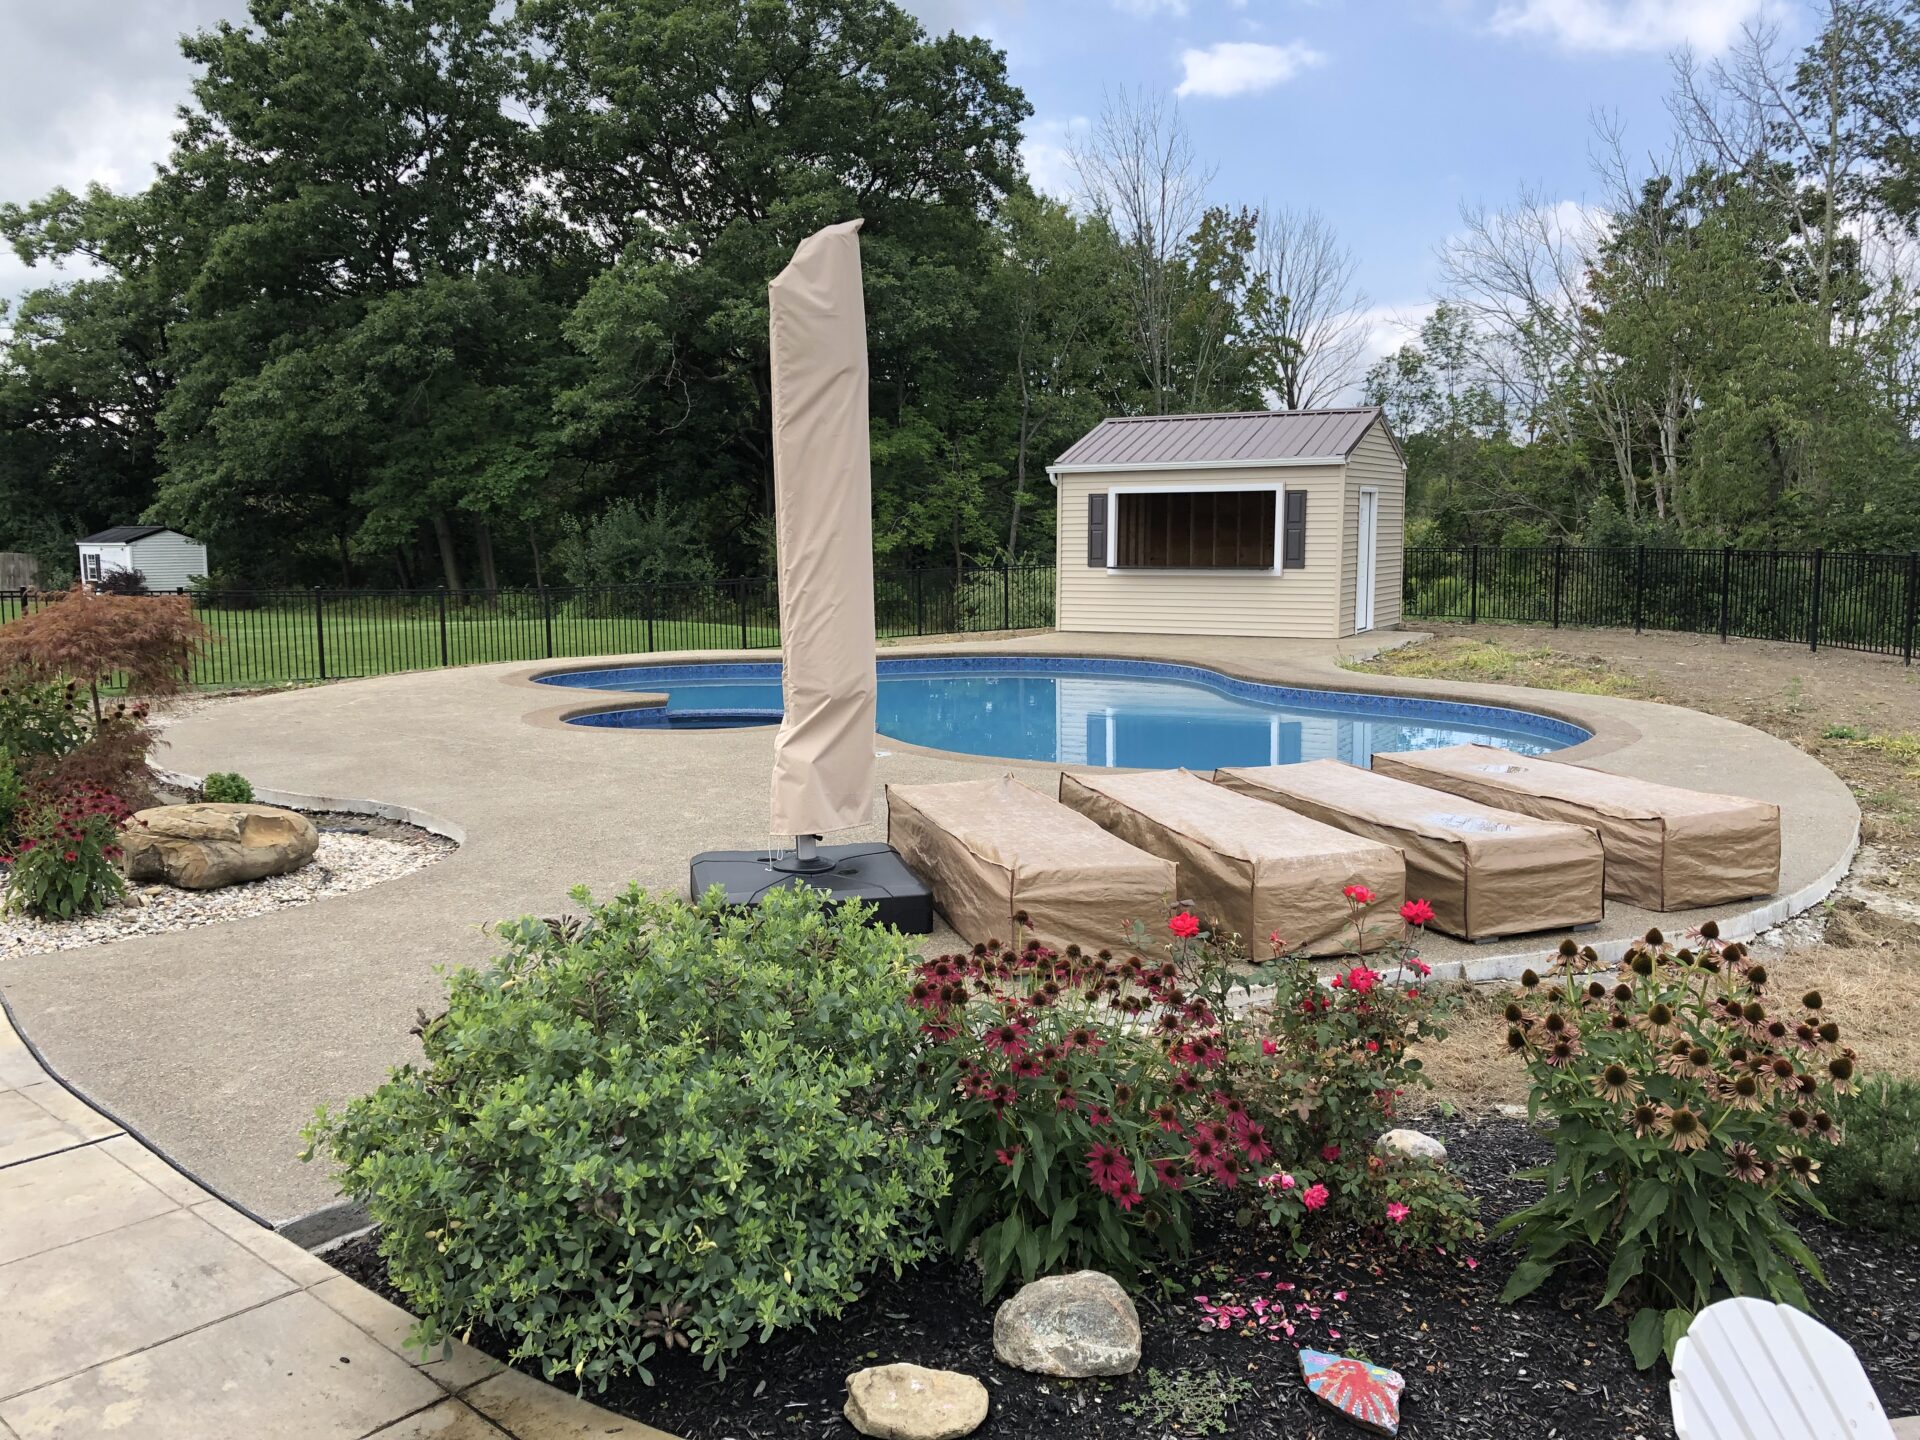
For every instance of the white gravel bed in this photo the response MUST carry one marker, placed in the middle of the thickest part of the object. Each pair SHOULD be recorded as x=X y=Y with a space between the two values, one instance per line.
x=344 y=863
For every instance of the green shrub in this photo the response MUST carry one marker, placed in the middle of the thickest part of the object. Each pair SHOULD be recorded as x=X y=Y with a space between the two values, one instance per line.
x=674 y=1124
x=1873 y=1180
x=62 y=867
x=223 y=787
x=1685 y=1104
x=40 y=718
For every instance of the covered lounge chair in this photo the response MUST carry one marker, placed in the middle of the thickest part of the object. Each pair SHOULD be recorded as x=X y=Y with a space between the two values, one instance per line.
x=1667 y=848
x=1249 y=867
x=990 y=848
x=1486 y=872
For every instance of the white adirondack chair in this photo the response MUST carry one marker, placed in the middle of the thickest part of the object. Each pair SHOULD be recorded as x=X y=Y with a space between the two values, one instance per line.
x=1751 y=1370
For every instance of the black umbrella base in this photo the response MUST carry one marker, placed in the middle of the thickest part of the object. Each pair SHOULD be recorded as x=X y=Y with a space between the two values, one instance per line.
x=870 y=872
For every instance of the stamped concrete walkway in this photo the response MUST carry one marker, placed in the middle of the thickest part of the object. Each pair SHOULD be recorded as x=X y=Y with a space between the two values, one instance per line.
x=133 y=1303
x=218 y=1043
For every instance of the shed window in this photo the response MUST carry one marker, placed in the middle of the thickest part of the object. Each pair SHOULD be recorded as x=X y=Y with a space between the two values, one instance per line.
x=90 y=565
x=1195 y=530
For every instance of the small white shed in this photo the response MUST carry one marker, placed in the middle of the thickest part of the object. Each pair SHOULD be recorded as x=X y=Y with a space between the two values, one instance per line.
x=169 y=560
x=1286 y=523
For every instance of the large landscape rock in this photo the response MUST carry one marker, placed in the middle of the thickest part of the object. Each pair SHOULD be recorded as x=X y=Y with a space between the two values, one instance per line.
x=1079 y=1324
x=911 y=1402
x=202 y=847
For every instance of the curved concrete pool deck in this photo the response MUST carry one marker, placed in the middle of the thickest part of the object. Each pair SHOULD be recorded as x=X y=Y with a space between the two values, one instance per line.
x=218 y=1043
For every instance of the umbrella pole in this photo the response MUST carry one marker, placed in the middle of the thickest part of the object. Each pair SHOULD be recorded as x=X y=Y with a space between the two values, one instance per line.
x=806 y=858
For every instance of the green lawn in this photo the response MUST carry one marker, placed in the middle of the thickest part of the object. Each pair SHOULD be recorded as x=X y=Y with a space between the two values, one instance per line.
x=265 y=647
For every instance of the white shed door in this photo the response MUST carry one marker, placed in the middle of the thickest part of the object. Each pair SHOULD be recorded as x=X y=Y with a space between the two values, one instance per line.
x=1368 y=557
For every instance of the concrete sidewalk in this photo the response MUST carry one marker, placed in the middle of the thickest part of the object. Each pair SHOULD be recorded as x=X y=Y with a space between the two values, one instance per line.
x=132 y=1303
x=219 y=1042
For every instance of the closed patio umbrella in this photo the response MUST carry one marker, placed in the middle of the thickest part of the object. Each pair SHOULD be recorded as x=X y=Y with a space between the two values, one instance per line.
x=823 y=766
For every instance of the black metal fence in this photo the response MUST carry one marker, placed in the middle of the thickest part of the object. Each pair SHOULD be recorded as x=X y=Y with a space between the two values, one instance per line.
x=1848 y=601
x=266 y=636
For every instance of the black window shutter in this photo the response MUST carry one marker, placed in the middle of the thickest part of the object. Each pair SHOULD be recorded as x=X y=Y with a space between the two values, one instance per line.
x=1097 y=529
x=1294 y=548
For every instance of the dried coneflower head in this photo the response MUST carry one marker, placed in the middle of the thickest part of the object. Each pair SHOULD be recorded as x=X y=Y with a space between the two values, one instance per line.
x=1734 y=953
x=1710 y=930
x=1753 y=1012
x=1515 y=1015
x=1516 y=1039
x=1654 y=937
x=1840 y=1069
x=1641 y=962
x=1596 y=991
x=1555 y=1023
x=1562 y=1052
x=1615 y=1082
x=1645 y=1118
x=1623 y=992
x=1828 y=1032
x=1744 y=1163
x=1529 y=980
x=1743 y=1092
x=1685 y=1129
x=1811 y=1000
x=1803 y=1168
x=1798 y=1121
x=1756 y=975
x=1826 y=1128
x=1568 y=950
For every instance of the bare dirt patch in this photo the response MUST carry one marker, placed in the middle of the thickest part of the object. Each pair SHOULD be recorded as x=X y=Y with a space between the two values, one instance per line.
x=1857 y=714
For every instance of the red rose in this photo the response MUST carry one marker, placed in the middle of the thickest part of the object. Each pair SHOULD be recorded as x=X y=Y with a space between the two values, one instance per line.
x=1359 y=894
x=1417 y=912
x=1184 y=925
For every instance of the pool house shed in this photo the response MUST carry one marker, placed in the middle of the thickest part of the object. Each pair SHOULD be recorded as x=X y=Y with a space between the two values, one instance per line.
x=166 y=558
x=1287 y=523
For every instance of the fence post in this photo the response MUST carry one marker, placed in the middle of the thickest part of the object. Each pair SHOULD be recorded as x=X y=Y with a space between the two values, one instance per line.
x=1006 y=598
x=1913 y=595
x=919 y=604
x=546 y=613
x=320 y=632
x=1726 y=591
x=1473 y=585
x=1559 y=577
x=1639 y=585
x=1813 y=608
x=741 y=593
x=445 y=658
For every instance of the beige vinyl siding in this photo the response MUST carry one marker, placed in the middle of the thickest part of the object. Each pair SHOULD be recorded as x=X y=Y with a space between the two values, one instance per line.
x=1296 y=603
x=1375 y=462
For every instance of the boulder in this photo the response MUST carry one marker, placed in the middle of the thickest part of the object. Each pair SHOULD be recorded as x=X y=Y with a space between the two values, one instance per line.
x=1080 y=1324
x=202 y=847
x=1412 y=1145
x=911 y=1402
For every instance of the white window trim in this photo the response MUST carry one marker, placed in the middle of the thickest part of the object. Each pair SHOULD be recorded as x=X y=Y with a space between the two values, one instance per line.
x=91 y=558
x=1114 y=492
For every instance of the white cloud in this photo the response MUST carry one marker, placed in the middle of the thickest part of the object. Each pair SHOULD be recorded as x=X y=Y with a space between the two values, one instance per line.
x=1621 y=26
x=1388 y=327
x=1047 y=150
x=1240 y=67
x=1151 y=7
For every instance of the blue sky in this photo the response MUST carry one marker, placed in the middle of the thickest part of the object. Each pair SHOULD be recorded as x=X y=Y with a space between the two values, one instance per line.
x=1383 y=114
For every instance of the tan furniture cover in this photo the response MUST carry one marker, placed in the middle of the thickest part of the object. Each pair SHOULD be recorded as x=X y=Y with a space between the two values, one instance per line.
x=823 y=517
x=1246 y=866
x=1486 y=872
x=1667 y=848
x=990 y=847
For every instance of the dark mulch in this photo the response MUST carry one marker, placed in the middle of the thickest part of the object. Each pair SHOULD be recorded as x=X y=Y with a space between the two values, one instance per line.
x=1548 y=1367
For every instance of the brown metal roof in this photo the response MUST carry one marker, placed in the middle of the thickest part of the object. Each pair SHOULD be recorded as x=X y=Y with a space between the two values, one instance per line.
x=1248 y=438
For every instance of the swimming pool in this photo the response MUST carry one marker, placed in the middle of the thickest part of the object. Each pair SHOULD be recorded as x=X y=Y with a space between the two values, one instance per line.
x=1126 y=713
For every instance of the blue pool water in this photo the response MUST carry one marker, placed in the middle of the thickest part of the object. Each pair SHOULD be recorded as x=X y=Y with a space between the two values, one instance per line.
x=1127 y=713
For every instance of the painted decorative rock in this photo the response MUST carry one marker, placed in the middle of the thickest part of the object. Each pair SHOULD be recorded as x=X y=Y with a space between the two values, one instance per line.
x=1366 y=1394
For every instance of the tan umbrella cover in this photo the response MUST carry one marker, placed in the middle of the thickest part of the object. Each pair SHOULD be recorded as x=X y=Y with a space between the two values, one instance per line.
x=823 y=514
x=992 y=847
x=1486 y=872
x=1667 y=848
x=1249 y=867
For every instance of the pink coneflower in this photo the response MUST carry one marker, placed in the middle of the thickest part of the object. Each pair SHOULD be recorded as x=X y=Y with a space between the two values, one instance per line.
x=1005 y=1157
x=1167 y=1171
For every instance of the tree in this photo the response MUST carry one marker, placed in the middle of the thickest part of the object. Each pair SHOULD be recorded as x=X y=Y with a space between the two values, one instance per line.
x=150 y=640
x=1321 y=332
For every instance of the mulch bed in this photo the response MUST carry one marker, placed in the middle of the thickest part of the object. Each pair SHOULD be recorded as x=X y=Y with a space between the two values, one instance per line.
x=1548 y=1367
